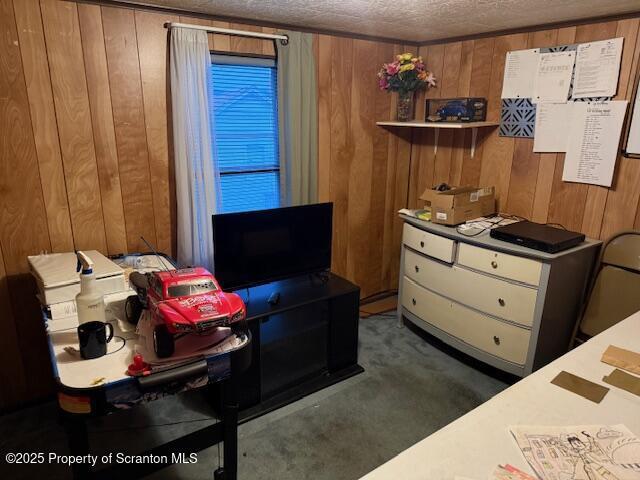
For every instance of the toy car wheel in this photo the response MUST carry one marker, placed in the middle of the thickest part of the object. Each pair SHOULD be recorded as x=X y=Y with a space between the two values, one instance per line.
x=239 y=328
x=163 y=343
x=133 y=309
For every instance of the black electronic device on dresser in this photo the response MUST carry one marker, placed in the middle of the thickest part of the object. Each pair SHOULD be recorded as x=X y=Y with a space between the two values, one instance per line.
x=545 y=238
x=303 y=318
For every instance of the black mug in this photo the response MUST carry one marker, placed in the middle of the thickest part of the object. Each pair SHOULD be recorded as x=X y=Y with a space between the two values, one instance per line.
x=93 y=339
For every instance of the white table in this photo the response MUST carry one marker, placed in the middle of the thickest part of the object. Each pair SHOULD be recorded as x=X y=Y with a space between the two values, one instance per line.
x=474 y=444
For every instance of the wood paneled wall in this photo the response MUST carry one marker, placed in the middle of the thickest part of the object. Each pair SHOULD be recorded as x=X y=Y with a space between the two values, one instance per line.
x=85 y=149
x=527 y=184
x=363 y=169
x=85 y=152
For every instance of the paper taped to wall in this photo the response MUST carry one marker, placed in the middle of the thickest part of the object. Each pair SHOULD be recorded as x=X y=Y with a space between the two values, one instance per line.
x=633 y=139
x=597 y=68
x=594 y=136
x=553 y=77
x=519 y=71
x=551 y=126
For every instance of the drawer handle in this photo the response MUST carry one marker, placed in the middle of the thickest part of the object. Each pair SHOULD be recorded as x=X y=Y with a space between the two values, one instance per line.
x=501 y=302
x=413 y=300
x=494 y=264
x=496 y=340
x=417 y=268
x=422 y=244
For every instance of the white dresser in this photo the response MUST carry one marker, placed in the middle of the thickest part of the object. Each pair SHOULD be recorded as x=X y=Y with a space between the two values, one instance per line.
x=509 y=306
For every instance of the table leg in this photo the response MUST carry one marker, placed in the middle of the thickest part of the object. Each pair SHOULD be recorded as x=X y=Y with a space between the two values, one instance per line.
x=78 y=441
x=230 y=425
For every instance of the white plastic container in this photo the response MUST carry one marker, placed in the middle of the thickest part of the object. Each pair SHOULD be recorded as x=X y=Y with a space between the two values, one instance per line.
x=90 y=300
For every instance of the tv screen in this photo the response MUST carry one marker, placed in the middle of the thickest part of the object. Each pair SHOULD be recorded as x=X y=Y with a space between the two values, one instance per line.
x=257 y=247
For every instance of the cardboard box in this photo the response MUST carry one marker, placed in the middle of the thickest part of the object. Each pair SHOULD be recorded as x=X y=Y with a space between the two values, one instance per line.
x=459 y=204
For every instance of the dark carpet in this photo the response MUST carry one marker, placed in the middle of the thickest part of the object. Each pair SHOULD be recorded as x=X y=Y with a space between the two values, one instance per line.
x=412 y=386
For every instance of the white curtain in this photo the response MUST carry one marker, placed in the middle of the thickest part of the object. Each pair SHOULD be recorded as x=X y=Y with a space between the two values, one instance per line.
x=196 y=170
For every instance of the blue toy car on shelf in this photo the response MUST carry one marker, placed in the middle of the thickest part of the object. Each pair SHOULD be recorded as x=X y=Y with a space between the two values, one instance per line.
x=456 y=109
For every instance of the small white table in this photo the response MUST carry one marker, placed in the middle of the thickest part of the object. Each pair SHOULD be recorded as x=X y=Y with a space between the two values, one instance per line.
x=474 y=444
x=80 y=397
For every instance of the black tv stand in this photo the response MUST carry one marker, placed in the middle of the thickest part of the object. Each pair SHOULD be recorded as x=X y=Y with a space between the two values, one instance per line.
x=304 y=342
x=274 y=298
x=323 y=277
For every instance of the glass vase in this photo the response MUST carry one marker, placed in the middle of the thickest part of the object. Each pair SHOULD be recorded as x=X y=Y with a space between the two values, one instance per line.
x=405 y=107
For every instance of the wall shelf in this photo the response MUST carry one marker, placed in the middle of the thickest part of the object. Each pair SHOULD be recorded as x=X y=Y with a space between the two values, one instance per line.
x=438 y=125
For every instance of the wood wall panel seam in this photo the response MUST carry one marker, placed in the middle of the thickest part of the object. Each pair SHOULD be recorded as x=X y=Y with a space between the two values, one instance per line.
x=497 y=153
x=570 y=202
x=44 y=123
x=23 y=222
x=360 y=173
x=12 y=375
x=394 y=165
x=596 y=196
x=525 y=165
x=128 y=113
x=153 y=59
x=31 y=123
x=143 y=114
x=323 y=67
x=68 y=77
x=342 y=146
x=616 y=215
x=97 y=79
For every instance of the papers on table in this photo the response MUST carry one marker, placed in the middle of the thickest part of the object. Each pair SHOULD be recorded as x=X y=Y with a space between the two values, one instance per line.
x=597 y=68
x=553 y=77
x=509 y=472
x=580 y=452
x=519 y=71
x=552 y=123
x=593 y=139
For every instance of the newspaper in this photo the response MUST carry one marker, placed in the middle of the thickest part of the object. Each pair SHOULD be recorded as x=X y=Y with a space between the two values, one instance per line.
x=584 y=452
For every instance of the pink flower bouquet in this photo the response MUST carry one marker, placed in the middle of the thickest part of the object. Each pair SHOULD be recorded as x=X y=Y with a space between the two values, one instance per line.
x=405 y=74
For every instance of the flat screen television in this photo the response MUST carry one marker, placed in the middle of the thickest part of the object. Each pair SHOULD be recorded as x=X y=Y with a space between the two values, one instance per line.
x=256 y=247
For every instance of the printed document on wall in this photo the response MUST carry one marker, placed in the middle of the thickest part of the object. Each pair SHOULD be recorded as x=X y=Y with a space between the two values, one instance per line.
x=594 y=136
x=553 y=77
x=597 y=68
x=633 y=140
x=552 y=120
x=519 y=71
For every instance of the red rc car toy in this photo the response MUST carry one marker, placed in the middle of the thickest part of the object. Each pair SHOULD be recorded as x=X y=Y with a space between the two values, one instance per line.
x=180 y=302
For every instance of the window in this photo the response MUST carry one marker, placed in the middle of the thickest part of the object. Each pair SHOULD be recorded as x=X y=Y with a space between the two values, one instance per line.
x=244 y=112
x=197 y=286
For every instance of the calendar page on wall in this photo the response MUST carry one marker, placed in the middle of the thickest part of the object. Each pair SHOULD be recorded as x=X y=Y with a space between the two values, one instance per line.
x=632 y=148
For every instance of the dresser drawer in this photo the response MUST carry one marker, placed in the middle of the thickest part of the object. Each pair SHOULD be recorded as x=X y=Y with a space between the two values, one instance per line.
x=501 y=264
x=424 y=242
x=430 y=307
x=487 y=294
x=488 y=334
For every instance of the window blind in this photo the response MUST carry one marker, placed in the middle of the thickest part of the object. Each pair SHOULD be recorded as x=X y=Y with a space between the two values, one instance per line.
x=244 y=113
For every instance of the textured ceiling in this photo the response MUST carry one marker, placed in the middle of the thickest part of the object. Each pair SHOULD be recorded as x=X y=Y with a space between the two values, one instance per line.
x=413 y=20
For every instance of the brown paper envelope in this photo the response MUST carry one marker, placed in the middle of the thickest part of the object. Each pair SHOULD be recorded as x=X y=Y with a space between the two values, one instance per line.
x=621 y=358
x=584 y=388
x=623 y=380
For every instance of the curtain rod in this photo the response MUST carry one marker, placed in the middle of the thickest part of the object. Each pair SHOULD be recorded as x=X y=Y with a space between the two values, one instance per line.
x=284 y=39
